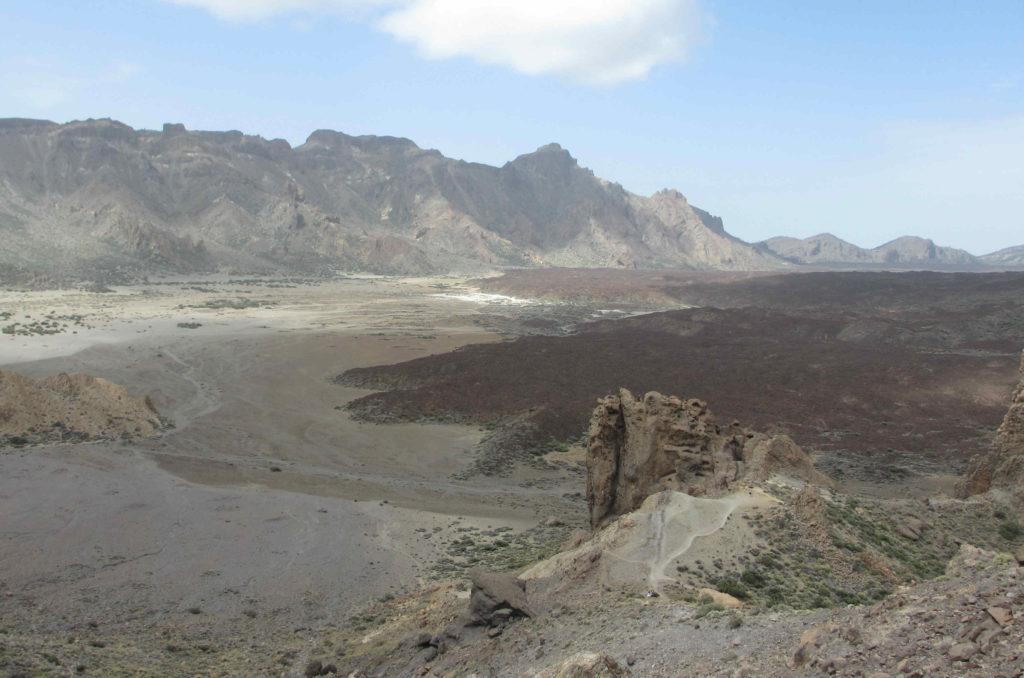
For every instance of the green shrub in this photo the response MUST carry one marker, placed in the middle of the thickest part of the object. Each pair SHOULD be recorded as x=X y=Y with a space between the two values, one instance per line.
x=753 y=578
x=1010 y=530
x=706 y=609
x=732 y=587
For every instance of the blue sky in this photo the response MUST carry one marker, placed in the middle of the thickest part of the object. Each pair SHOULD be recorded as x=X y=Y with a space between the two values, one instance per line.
x=869 y=120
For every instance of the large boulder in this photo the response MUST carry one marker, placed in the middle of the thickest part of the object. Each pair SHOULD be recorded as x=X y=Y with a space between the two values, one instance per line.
x=1002 y=468
x=639 y=447
x=495 y=598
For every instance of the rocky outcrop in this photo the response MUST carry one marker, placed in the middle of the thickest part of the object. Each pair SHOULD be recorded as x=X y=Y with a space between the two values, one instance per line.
x=973 y=627
x=71 y=408
x=496 y=598
x=1002 y=468
x=585 y=665
x=639 y=447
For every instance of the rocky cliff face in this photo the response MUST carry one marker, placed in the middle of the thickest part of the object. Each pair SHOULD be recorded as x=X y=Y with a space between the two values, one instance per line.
x=1002 y=468
x=638 y=447
x=98 y=195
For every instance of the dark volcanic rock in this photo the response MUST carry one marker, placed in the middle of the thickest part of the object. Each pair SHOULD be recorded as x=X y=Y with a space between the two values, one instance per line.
x=877 y=372
x=638 y=447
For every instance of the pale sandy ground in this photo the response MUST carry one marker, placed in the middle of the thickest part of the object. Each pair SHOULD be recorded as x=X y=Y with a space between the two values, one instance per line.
x=665 y=531
x=265 y=499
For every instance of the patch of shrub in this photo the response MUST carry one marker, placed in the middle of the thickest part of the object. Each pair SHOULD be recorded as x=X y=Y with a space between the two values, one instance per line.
x=1010 y=530
x=753 y=578
x=707 y=608
x=732 y=587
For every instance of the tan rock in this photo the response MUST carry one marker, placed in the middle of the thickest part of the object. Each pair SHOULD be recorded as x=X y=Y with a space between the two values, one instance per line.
x=71 y=407
x=723 y=599
x=639 y=447
x=585 y=665
x=809 y=641
x=961 y=652
x=1000 y=614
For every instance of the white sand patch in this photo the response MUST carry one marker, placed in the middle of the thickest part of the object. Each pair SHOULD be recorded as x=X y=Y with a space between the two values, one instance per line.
x=484 y=298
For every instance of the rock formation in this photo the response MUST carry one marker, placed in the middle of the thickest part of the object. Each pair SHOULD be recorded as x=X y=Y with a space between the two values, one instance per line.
x=70 y=408
x=1002 y=469
x=496 y=598
x=639 y=447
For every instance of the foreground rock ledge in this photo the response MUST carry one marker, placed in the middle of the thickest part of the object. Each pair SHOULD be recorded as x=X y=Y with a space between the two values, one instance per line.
x=638 y=447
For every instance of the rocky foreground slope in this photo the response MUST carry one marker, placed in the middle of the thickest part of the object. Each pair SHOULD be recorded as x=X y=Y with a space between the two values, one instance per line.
x=71 y=408
x=624 y=601
x=100 y=198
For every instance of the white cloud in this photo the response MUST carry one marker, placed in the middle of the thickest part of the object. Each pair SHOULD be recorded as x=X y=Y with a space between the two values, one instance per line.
x=591 y=41
x=599 y=42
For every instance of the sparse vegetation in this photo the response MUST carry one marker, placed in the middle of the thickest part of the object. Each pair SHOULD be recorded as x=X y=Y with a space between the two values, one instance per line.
x=238 y=303
x=51 y=323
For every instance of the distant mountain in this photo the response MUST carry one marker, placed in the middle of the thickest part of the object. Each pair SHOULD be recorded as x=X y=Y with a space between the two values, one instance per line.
x=824 y=248
x=909 y=251
x=98 y=199
x=1011 y=256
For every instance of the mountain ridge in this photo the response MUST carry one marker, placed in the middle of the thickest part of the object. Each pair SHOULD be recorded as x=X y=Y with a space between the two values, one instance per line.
x=904 y=251
x=99 y=196
x=99 y=200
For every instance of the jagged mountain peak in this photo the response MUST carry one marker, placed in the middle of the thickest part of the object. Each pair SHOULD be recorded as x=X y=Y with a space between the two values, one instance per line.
x=547 y=156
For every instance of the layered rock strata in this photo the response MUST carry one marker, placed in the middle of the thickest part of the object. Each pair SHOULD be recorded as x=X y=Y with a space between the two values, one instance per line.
x=640 y=446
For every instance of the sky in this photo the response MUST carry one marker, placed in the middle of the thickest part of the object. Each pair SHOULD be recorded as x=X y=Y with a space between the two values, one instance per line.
x=869 y=120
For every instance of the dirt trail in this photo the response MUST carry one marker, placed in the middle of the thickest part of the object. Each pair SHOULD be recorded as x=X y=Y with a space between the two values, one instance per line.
x=675 y=527
x=638 y=548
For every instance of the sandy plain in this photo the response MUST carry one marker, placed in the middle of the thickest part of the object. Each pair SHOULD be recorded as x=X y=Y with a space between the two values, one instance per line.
x=266 y=506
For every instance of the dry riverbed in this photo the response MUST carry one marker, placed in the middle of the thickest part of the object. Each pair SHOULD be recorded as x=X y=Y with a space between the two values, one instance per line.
x=266 y=511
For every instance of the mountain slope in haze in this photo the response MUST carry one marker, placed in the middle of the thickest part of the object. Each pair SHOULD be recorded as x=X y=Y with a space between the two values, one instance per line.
x=1011 y=257
x=98 y=196
x=909 y=251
